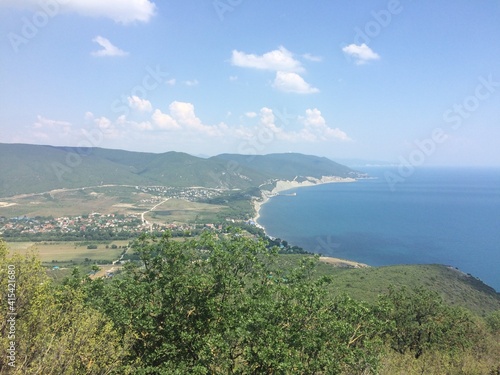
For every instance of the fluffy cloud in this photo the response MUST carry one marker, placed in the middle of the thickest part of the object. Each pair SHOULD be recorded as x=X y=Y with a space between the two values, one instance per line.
x=122 y=11
x=47 y=130
x=283 y=63
x=292 y=82
x=280 y=59
x=108 y=49
x=164 y=121
x=63 y=127
x=362 y=53
x=258 y=131
x=184 y=113
x=315 y=128
x=141 y=105
x=108 y=128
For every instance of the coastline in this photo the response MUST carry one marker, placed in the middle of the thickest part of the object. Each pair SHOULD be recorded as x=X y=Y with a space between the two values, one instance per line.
x=283 y=185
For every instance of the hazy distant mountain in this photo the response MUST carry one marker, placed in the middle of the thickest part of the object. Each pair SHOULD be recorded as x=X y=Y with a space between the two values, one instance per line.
x=360 y=163
x=33 y=168
x=289 y=165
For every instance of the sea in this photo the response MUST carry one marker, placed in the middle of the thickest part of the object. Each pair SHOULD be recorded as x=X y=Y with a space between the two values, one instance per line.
x=447 y=216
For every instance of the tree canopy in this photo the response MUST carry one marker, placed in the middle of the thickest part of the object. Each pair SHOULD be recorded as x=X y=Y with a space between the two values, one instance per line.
x=225 y=304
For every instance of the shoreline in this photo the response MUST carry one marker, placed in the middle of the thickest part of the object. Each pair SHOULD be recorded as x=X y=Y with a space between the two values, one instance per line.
x=284 y=185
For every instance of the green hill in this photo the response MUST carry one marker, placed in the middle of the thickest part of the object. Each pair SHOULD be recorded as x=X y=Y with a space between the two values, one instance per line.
x=366 y=284
x=455 y=287
x=289 y=165
x=35 y=169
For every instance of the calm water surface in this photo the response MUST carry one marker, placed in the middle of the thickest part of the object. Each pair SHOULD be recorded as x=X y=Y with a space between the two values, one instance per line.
x=438 y=215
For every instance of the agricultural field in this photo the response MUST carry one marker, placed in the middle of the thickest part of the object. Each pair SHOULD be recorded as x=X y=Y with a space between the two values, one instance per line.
x=73 y=202
x=53 y=253
x=175 y=211
x=161 y=205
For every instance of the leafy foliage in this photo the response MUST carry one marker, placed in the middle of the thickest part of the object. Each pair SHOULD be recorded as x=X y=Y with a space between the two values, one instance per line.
x=228 y=304
x=219 y=305
x=418 y=320
x=55 y=332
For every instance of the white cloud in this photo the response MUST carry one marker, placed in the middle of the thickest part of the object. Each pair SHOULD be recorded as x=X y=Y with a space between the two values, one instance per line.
x=362 y=53
x=267 y=121
x=311 y=57
x=233 y=78
x=141 y=105
x=259 y=131
x=171 y=82
x=108 y=49
x=184 y=113
x=49 y=131
x=106 y=126
x=280 y=59
x=121 y=11
x=267 y=117
x=182 y=119
x=292 y=82
x=125 y=125
x=164 y=121
x=192 y=82
x=44 y=124
x=315 y=127
x=185 y=116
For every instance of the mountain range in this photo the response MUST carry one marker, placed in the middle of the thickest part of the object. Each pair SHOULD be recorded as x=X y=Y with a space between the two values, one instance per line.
x=28 y=168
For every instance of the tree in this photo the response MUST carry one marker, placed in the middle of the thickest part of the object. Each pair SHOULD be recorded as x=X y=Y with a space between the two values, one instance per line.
x=55 y=332
x=221 y=305
x=418 y=320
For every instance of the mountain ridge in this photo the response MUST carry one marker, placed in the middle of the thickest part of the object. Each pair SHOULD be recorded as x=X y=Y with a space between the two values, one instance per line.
x=26 y=168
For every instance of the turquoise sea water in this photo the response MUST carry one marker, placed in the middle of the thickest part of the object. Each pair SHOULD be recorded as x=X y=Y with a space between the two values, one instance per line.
x=438 y=215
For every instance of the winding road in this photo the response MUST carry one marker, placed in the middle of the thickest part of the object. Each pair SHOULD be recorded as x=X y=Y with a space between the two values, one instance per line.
x=144 y=221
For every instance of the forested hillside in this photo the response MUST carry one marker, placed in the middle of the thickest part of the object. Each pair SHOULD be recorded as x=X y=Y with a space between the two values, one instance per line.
x=35 y=169
x=226 y=305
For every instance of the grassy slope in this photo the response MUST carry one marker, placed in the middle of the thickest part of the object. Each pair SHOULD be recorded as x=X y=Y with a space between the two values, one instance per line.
x=366 y=284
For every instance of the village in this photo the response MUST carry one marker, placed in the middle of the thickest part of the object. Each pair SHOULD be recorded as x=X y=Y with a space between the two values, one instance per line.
x=88 y=226
x=192 y=194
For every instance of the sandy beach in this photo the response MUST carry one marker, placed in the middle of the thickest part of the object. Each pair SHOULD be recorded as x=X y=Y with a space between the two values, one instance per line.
x=337 y=262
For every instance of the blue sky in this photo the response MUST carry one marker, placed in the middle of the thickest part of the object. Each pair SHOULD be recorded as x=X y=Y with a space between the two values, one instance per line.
x=398 y=81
